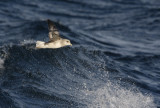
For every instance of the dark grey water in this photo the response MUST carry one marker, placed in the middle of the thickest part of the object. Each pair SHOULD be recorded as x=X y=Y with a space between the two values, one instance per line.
x=114 y=61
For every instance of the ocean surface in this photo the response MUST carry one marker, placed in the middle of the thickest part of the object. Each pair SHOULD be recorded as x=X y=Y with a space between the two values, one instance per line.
x=114 y=61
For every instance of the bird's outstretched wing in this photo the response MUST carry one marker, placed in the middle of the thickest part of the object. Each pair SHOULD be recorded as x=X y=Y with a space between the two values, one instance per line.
x=53 y=32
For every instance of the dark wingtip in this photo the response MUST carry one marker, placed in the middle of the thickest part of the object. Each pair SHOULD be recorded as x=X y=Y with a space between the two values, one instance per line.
x=48 y=20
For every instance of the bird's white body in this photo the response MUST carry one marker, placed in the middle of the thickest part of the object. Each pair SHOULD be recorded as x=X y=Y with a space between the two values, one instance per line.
x=56 y=44
x=41 y=44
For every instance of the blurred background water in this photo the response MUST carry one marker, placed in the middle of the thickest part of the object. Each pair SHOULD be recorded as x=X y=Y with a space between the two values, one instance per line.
x=114 y=61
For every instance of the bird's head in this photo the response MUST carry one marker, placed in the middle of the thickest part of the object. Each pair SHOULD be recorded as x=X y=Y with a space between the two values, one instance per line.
x=66 y=42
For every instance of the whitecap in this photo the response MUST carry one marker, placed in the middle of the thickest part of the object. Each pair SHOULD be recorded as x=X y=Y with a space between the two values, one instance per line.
x=28 y=42
x=114 y=96
x=1 y=63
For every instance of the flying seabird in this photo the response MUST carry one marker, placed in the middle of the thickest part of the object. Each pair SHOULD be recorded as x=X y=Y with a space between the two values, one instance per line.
x=55 y=41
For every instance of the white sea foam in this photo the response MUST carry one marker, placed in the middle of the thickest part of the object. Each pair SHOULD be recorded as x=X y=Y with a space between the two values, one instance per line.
x=28 y=42
x=112 y=96
x=1 y=63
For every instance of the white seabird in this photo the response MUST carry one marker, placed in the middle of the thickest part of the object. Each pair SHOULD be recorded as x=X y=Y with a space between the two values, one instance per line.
x=55 y=40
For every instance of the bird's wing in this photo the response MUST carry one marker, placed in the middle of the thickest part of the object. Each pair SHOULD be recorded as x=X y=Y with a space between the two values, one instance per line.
x=53 y=32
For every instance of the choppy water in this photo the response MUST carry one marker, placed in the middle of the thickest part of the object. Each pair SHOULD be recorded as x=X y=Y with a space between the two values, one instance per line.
x=114 y=61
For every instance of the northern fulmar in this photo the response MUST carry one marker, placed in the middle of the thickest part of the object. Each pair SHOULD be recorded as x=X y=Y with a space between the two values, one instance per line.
x=55 y=41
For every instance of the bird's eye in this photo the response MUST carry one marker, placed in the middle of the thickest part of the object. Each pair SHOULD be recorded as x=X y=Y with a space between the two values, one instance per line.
x=67 y=41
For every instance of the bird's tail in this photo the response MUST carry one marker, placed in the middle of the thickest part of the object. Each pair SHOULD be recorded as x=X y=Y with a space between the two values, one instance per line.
x=40 y=44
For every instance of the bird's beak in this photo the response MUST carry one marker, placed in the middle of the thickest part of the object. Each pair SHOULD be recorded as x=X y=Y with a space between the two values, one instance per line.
x=71 y=44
